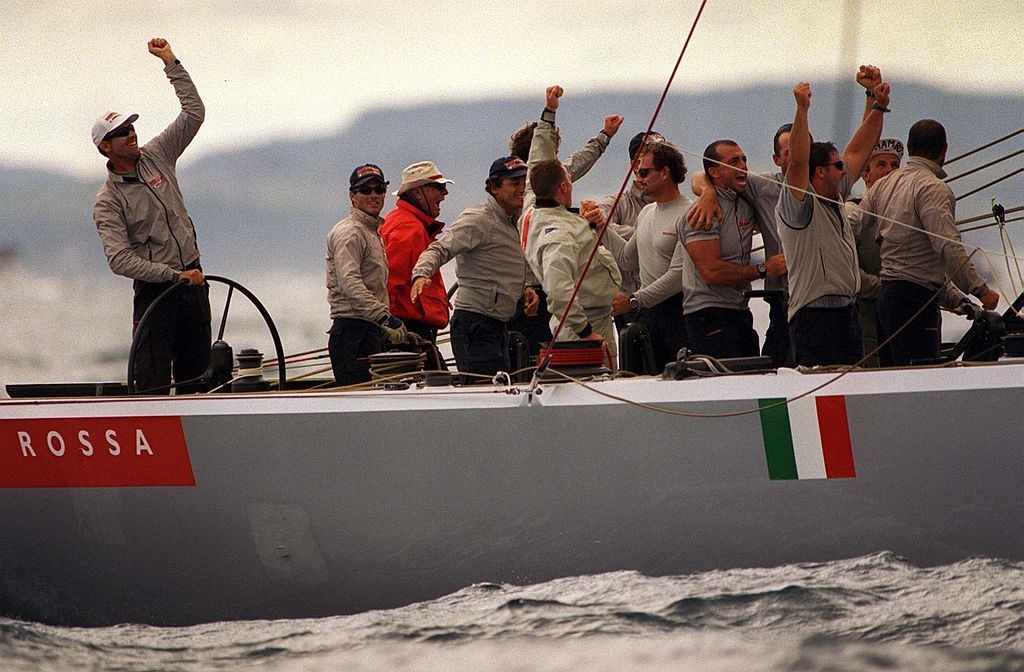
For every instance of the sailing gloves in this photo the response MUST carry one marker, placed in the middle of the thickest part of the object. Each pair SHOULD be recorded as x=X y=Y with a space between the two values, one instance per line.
x=394 y=330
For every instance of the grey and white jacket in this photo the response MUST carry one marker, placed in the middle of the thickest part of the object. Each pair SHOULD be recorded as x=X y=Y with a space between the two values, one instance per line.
x=141 y=218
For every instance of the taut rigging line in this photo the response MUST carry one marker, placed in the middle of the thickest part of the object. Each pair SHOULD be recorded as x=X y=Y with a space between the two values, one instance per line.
x=985 y=146
x=541 y=366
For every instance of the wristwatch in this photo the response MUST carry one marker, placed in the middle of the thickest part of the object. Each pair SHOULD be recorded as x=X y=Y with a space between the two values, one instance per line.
x=762 y=271
x=633 y=303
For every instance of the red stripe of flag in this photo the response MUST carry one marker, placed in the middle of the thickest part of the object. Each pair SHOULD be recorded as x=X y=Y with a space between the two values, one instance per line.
x=835 y=437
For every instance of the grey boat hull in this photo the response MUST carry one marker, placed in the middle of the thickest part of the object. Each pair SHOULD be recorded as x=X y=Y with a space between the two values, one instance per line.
x=312 y=505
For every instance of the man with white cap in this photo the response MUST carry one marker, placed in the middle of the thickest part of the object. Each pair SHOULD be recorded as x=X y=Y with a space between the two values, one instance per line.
x=148 y=236
x=357 y=281
x=885 y=158
x=491 y=269
x=407 y=231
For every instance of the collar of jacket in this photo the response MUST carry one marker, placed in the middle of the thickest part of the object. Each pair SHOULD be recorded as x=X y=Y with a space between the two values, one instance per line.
x=499 y=211
x=932 y=166
x=552 y=203
x=131 y=177
x=431 y=225
x=366 y=218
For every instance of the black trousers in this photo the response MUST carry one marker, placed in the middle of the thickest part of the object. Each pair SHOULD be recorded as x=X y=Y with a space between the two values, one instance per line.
x=429 y=334
x=777 y=342
x=535 y=328
x=827 y=336
x=722 y=332
x=898 y=300
x=479 y=343
x=176 y=339
x=667 y=326
x=351 y=341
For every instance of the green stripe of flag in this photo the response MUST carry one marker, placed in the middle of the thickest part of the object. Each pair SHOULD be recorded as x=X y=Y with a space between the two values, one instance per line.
x=778 y=439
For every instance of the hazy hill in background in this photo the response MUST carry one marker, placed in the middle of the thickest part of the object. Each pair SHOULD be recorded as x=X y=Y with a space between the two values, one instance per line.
x=270 y=206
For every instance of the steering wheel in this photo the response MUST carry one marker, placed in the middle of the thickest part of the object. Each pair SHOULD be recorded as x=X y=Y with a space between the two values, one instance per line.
x=232 y=286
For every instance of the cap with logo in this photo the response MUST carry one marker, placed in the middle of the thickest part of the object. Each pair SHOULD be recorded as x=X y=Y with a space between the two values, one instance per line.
x=507 y=166
x=109 y=122
x=888 y=146
x=366 y=173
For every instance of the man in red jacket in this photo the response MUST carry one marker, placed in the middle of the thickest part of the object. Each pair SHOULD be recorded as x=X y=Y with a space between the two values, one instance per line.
x=407 y=231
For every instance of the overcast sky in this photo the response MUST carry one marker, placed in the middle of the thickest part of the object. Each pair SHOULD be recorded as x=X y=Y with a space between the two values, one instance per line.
x=269 y=68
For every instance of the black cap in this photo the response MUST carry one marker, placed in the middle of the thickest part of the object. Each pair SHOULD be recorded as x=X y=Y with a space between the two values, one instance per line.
x=507 y=166
x=366 y=173
x=634 y=144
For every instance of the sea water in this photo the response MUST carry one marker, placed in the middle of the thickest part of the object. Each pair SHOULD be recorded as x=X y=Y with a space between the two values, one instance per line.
x=874 y=613
x=877 y=612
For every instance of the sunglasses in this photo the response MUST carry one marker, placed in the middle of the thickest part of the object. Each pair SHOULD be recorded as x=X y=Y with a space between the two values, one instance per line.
x=119 y=132
x=838 y=164
x=644 y=172
x=440 y=186
x=366 y=191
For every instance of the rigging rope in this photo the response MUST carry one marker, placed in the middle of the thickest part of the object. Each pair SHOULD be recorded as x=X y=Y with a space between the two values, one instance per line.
x=542 y=365
x=982 y=167
x=985 y=146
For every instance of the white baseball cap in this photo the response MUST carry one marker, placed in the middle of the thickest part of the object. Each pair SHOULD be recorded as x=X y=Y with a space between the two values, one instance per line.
x=108 y=122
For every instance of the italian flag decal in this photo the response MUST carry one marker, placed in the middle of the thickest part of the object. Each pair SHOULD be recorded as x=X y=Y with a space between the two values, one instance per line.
x=806 y=438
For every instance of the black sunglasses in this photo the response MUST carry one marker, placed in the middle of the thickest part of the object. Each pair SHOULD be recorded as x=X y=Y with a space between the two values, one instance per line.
x=119 y=132
x=838 y=164
x=644 y=172
x=366 y=191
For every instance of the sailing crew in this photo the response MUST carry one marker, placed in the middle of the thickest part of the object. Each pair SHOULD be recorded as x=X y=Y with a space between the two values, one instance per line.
x=914 y=214
x=535 y=328
x=885 y=158
x=656 y=252
x=558 y=240
x=623 y=221
x=357 y=277
x=407 y=231
x=717 y=270
x=148 y=236
x=819 y=244
x=490 y=267
x=765 y=189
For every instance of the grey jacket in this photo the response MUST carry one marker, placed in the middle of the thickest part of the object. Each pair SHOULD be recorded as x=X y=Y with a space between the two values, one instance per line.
x=490 y=266
x=357 y=270
x=141 y=218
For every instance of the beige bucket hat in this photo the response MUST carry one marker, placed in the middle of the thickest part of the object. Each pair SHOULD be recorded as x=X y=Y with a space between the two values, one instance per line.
x=420 y=173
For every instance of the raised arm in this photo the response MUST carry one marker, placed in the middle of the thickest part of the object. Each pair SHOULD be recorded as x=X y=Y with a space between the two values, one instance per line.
x=173 y=140
x=864 y=140
x=798 y=175
x=869 y=77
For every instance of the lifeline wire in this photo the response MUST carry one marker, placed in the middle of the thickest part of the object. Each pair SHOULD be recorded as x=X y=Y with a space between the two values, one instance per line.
x=558 y=329
x=985 y=146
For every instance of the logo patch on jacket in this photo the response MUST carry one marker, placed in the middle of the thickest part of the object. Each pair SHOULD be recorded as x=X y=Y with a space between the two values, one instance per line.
x=156 y=181
x=746 y=223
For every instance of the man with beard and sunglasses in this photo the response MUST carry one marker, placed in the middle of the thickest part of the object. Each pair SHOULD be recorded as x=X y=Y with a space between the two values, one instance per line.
x=148 y=236
x=357 y=282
